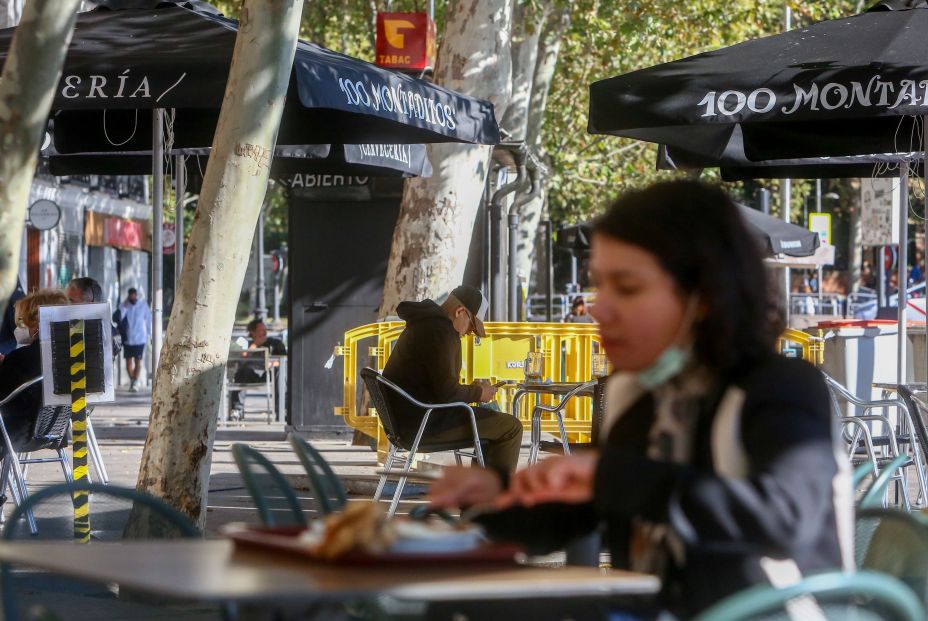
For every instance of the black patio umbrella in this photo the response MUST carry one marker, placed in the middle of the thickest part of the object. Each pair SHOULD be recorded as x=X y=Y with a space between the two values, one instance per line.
x=852 y=86
x=368 y=160
x=129 y=60
x=776 y=237
x=122 y=64
x=734 y=165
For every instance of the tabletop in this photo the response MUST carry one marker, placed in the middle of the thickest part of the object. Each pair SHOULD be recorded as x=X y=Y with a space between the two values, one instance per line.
x=555 y=388
x=216 y=571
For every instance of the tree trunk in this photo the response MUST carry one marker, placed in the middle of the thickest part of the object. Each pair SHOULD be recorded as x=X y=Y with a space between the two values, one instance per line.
x=27 y=89
x=549 y=48
x=527 y=21
x=433 y=231
x=10 y=12
x=185 y=403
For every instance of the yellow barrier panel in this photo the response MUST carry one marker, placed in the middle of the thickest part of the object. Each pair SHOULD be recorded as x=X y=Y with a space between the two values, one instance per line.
x=567 y=350
x=567 y=353
x=813 y=347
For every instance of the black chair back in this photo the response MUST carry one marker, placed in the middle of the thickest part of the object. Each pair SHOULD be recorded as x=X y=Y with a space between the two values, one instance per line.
x=376 y=388
x=50 y=430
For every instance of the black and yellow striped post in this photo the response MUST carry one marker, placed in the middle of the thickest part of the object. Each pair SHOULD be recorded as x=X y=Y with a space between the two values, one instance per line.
x=79 y=429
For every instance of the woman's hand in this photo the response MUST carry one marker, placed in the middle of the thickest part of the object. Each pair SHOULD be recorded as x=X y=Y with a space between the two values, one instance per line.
x=464 y=486
x=559 y=479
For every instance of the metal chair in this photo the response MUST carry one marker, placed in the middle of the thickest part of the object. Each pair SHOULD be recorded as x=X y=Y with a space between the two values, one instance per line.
x=116 y=503
x=895 y=543
x=259 y=356
x=48 y=433
x=376 y=386
x=882 y=448
x=558 y=411
x=875 y=495
x=864 y=595
x=327 y=488
x=275 y=500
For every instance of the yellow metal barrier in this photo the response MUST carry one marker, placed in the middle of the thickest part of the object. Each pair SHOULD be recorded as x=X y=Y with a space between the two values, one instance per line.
x=567 y=351
x=813 y=347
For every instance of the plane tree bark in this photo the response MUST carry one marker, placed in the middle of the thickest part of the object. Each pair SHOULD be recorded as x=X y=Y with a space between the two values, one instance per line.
x=186 y=399
x=433 y=231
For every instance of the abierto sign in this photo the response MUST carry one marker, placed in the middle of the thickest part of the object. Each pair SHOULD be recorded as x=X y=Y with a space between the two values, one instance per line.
x=405 y=41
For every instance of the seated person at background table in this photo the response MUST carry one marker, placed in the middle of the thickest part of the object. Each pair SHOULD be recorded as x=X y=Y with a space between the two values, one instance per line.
x=578 y=312
x=249 y=373
x=8 y=325
x=720 y=465
x=86 y=290
x=25 y=363
x=426 y=363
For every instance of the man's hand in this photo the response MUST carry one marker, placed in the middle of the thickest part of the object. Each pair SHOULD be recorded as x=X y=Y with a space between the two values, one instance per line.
x=559 y=479
x=464 y=486
x=487 y=390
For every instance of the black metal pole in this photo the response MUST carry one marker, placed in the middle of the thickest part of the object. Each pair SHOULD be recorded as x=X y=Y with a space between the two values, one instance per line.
x=549 y=270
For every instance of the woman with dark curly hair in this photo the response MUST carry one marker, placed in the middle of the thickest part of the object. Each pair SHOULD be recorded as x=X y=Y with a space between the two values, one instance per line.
x=720 y=465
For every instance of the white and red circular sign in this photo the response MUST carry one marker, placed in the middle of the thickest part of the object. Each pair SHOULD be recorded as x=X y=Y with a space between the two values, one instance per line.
x=168 y=238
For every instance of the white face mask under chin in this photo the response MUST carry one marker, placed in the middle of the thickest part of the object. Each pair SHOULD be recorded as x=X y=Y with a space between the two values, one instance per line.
x=22 y=335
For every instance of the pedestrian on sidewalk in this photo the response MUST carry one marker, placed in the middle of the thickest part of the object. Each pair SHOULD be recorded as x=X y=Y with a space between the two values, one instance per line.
x=136 y=315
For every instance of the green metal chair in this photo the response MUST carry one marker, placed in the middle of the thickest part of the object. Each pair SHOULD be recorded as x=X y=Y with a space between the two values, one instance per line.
x=275 y=500
x=834 y=596
x=110 y=507
x=328 y=490
x=894 y=542
x=876 y=493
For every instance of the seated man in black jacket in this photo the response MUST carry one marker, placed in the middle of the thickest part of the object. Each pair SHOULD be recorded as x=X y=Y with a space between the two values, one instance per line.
x=426 y=363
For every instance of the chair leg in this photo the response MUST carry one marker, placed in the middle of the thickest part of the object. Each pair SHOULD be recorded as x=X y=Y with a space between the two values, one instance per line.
x=23 y=491
x=391 y=455
x=560 y=424
x=402 y=481
x=65 y=466
x=267 y=392
x=411 y=456
x=457 y=459
x=96 y=454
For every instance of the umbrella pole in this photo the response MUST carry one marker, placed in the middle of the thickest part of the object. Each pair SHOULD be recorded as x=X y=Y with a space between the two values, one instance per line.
x=157 y=267
x=785 y=202
x=925 y=238
x=902 y=294
x=180 y=179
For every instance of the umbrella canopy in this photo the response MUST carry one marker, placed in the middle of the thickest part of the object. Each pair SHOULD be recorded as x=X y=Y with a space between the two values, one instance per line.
x=777 y=238
x=735 y=166
x=122 y=64
x=371 y=160
x=850 y=86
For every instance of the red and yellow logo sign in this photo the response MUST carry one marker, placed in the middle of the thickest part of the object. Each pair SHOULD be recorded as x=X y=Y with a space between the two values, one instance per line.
x=405 y=41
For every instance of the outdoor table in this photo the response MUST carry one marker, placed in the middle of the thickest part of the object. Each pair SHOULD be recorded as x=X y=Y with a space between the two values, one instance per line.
x=214 y=571
x=559 y=388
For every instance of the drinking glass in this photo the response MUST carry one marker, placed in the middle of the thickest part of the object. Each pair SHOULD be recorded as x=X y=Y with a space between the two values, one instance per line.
x=534 y=365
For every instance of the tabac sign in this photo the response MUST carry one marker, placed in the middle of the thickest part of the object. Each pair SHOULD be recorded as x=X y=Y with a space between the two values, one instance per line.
x=405 y=41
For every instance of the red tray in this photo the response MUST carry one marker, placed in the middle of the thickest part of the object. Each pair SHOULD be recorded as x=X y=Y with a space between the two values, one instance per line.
x=284 y=539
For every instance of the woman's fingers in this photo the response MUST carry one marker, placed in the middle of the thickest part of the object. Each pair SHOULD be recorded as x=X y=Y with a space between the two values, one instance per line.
x=464 y=486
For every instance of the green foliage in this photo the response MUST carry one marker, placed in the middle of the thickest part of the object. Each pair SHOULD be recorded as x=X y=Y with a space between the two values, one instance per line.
x=609 y=38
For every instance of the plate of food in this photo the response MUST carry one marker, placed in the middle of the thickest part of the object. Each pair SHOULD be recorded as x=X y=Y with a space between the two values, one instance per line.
x=363 y=535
